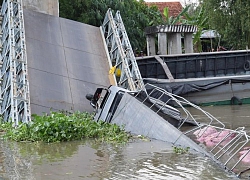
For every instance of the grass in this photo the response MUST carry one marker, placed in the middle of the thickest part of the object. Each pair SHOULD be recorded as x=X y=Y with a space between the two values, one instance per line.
x=180 y=150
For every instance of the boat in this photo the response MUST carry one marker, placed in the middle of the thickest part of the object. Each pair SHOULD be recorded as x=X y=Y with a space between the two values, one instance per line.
x=212 y=78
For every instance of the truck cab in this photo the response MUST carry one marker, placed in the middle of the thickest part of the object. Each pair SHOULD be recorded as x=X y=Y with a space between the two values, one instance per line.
x=106 y=102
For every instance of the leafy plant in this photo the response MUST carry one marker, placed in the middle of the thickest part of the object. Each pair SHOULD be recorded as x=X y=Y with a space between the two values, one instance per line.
x=199 y=19
x=230 y=19
x=62 y=126
x=180 y=150
x=170 y=20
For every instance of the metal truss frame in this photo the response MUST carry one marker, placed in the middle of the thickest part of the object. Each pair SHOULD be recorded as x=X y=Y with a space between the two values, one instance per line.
x=121 y=56
x=15 y=106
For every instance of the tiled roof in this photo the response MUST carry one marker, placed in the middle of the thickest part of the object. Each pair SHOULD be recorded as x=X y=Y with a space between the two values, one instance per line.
x=174 y=7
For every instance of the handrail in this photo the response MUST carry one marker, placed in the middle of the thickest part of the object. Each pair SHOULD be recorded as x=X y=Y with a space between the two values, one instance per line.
x=225 y=150
x=179 y=101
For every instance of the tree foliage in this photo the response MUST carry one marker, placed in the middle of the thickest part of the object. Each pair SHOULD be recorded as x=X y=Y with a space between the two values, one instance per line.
x=136 y=15
x=170 y=20
x=198 y=18
x=231 y=19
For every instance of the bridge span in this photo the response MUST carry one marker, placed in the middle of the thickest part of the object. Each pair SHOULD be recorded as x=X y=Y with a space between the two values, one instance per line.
x=48 y=63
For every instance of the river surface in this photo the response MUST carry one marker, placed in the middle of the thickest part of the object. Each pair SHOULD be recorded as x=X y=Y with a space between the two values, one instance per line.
x=142 y=160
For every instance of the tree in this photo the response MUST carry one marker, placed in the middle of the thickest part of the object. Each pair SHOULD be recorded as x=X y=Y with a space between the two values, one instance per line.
x=231 y=19
x=198 y=18
x=136 y=15
x=170 y=20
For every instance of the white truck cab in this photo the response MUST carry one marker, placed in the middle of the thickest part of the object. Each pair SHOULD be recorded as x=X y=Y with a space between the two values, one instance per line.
x=105 y=101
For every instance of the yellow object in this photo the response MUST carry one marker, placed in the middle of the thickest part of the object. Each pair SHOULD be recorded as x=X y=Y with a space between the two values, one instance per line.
x=112 y=70
x=118 y=72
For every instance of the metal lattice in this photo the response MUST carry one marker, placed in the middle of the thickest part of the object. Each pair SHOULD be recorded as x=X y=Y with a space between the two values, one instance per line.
x=15 y=106
x=122 y=60
x=226 y=150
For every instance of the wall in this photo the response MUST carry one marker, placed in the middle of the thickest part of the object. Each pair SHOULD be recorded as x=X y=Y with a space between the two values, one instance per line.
x=44 y=6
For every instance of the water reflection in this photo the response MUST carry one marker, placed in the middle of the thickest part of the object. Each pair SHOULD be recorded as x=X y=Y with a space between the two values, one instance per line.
x=232 y=116
x=147 y=163
x=90 y=160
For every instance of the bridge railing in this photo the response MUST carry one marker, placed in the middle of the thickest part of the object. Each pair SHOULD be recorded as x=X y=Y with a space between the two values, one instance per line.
x=231 y=148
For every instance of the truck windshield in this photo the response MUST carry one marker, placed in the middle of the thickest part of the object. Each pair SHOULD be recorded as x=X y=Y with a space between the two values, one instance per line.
x=114 y=105
x=103 y=98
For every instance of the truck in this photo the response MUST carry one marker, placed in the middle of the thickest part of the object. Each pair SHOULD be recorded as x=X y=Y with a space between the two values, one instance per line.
x=106 y=102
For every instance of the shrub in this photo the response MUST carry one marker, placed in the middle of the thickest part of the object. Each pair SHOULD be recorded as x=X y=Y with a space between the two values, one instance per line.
x=62 y=126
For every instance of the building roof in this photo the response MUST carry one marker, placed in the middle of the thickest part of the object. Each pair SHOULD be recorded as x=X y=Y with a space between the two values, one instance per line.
x=209 y=34
x=174 y=7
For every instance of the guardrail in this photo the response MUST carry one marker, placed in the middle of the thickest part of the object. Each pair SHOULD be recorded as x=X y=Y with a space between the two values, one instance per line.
x=231 y=148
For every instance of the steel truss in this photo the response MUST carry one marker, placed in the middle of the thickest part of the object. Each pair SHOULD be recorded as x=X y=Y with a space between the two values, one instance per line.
x=15 y=106
x=122 y=60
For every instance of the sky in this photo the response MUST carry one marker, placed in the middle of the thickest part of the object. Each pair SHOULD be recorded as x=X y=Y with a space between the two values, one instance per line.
x=183 y=2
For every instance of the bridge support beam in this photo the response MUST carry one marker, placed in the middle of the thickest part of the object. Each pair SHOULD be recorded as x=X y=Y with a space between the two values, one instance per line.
x=162 y=43
x=170 y=39
x=174 y=43
x=151 y=45
x=188 y=43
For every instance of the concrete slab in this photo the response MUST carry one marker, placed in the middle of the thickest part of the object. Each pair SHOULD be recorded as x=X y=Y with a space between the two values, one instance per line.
x=81 y=37
x=44 y=6
x=42 y=27
x=46 y=57
x=66 y=61
x=86 y=66
x=49 y=90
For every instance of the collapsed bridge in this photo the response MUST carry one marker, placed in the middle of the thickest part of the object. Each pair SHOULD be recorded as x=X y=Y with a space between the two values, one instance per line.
x=52 y=63
x=146 y=116
x=48 y=63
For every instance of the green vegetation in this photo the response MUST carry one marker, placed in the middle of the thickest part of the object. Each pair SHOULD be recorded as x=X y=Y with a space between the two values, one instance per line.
x=136 y=15
x=170 y=20
x=180 y=150
x=61 y=126
x=196 y=17
x=230 y=19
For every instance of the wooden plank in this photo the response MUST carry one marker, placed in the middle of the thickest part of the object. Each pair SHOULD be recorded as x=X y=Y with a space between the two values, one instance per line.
x=166 y=69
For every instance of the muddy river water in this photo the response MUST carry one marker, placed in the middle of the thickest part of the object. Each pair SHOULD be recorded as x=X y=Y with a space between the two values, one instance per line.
x=142 y=160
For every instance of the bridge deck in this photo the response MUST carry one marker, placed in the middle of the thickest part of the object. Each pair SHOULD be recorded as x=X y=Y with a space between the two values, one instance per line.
x=66 y=60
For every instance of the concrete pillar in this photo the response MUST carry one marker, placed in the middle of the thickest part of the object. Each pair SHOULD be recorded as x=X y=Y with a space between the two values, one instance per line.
x=174 y=43
x=44 y=6
x=151 y=45
x=188 y=42
x=162 y=43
